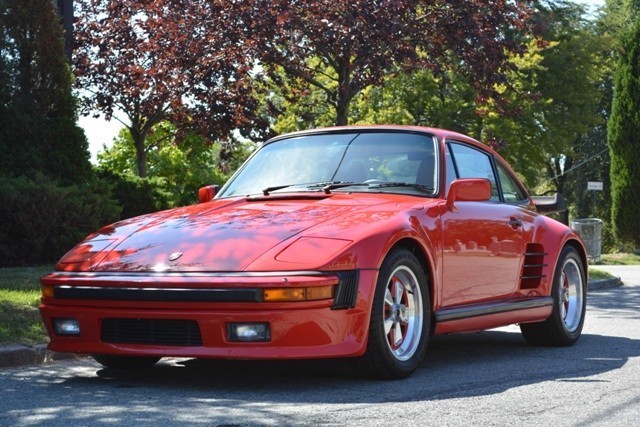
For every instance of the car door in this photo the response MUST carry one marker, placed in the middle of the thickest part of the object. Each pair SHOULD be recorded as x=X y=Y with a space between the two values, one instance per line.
x=483 y=242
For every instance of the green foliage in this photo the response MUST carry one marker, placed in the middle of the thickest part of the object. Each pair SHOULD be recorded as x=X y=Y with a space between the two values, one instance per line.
x=341 y=48
x=37 y=109
x=41 y=220
x=136 y=196
x=295 y=104
x=551 y=96
x=181 y=169
x=420 y=98
x=624 y=140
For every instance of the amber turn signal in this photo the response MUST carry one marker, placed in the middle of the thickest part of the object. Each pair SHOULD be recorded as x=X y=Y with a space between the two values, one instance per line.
x=47 y=291
x=297 y=294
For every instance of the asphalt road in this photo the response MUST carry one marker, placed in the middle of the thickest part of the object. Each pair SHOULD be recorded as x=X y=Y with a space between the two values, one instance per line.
x=492 y=378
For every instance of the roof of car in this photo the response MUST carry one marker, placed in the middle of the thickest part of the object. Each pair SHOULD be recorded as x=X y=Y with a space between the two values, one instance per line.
x=440 y=133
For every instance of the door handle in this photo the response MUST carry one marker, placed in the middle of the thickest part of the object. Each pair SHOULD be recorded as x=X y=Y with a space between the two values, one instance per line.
x=515 y=223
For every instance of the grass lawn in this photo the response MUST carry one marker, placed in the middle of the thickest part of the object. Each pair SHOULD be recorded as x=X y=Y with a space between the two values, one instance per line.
x=20 y=321
x=619 y=259
x=599 y=274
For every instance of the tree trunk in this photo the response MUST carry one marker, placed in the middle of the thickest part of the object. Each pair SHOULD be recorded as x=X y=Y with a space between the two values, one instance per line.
x=141 y=154
x=342 y=113
x=344 y=95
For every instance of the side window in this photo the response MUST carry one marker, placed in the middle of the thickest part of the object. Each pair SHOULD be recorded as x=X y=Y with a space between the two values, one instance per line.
x=473 y=163
x=450 y=169
x=511 y=190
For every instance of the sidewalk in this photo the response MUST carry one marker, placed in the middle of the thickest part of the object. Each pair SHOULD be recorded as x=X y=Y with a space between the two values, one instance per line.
x=16 y=354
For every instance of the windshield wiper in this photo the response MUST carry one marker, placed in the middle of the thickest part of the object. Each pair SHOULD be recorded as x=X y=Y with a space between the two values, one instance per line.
x=271 y=189
x=268 y=190
x=421 y=187
x=332 y=186
x=377 y=184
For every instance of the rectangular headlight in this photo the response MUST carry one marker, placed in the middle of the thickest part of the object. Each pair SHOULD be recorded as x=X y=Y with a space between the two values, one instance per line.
x=70 y=327
x=248 y=332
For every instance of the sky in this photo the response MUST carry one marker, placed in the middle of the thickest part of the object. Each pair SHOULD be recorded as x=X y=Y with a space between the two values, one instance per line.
x=100 y=132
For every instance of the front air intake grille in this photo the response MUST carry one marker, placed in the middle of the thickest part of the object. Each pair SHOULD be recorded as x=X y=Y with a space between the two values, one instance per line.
x=151 y=332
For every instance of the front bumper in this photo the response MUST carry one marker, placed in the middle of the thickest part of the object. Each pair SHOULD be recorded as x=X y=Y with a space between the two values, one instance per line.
x=305 y=329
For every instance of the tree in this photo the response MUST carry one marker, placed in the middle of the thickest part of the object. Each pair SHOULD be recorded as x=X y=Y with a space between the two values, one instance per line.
x=343 y=47
x=624 y=139
x=550 y=98
x=174 y=60
x=38 y=132
x=184 y=167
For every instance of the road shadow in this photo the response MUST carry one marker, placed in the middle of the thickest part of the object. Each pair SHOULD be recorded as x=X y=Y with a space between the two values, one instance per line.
x=620 y=302
x=456 y=366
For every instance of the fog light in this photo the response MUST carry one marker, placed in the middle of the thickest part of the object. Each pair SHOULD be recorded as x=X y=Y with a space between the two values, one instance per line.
x=248 y=332
x=66 y=327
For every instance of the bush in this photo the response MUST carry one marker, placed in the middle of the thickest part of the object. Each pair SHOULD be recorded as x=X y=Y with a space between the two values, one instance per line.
x=42 y=220
x=136 y=195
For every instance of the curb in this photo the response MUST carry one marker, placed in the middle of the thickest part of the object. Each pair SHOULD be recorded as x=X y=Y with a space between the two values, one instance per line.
x=614 y=282
x=18 y=355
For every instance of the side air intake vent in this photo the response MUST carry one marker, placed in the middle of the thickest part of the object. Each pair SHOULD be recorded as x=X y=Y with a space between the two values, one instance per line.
x=346 y=291
x=534 y=263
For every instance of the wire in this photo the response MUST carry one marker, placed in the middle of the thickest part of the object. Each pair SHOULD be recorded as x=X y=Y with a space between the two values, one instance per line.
x=580 y=164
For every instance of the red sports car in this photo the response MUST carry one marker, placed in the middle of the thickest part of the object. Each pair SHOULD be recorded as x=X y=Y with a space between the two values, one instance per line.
x=350 y=242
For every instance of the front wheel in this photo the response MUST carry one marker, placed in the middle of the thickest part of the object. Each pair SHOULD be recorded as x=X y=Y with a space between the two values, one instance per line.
x=400 y=318
x=125 y=362
x=569 y=292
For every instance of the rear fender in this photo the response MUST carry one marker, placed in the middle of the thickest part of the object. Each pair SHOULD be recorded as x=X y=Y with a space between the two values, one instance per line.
x=554 y=236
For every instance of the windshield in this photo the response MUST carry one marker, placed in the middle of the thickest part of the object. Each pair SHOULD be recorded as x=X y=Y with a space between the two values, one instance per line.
x=373 y=161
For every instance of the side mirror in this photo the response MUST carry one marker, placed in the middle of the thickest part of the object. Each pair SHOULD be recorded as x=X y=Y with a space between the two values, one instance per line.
x=468 y=190
x=549 y=204
x=207 y=193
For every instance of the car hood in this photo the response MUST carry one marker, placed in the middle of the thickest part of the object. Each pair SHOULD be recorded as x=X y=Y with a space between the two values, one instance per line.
x=219 y=236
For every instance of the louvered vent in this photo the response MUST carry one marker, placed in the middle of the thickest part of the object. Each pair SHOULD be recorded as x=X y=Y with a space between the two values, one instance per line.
x=346 y=292
x=172 y=332
x=534 y=262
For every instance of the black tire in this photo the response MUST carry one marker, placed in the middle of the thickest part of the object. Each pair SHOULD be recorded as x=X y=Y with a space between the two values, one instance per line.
x=395 y=351
x=125 y=362
x=569 y=292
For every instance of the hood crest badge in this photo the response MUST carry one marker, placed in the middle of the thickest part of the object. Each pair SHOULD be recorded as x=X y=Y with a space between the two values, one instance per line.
x=174 y=256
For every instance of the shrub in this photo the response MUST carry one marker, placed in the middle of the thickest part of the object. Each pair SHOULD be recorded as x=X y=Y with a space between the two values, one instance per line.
x=42 y=220
x=136 y=195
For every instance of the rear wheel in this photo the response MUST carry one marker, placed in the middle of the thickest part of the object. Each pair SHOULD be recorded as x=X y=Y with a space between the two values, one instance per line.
x=125 y=362
x=569 y=292
x=400 y=318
